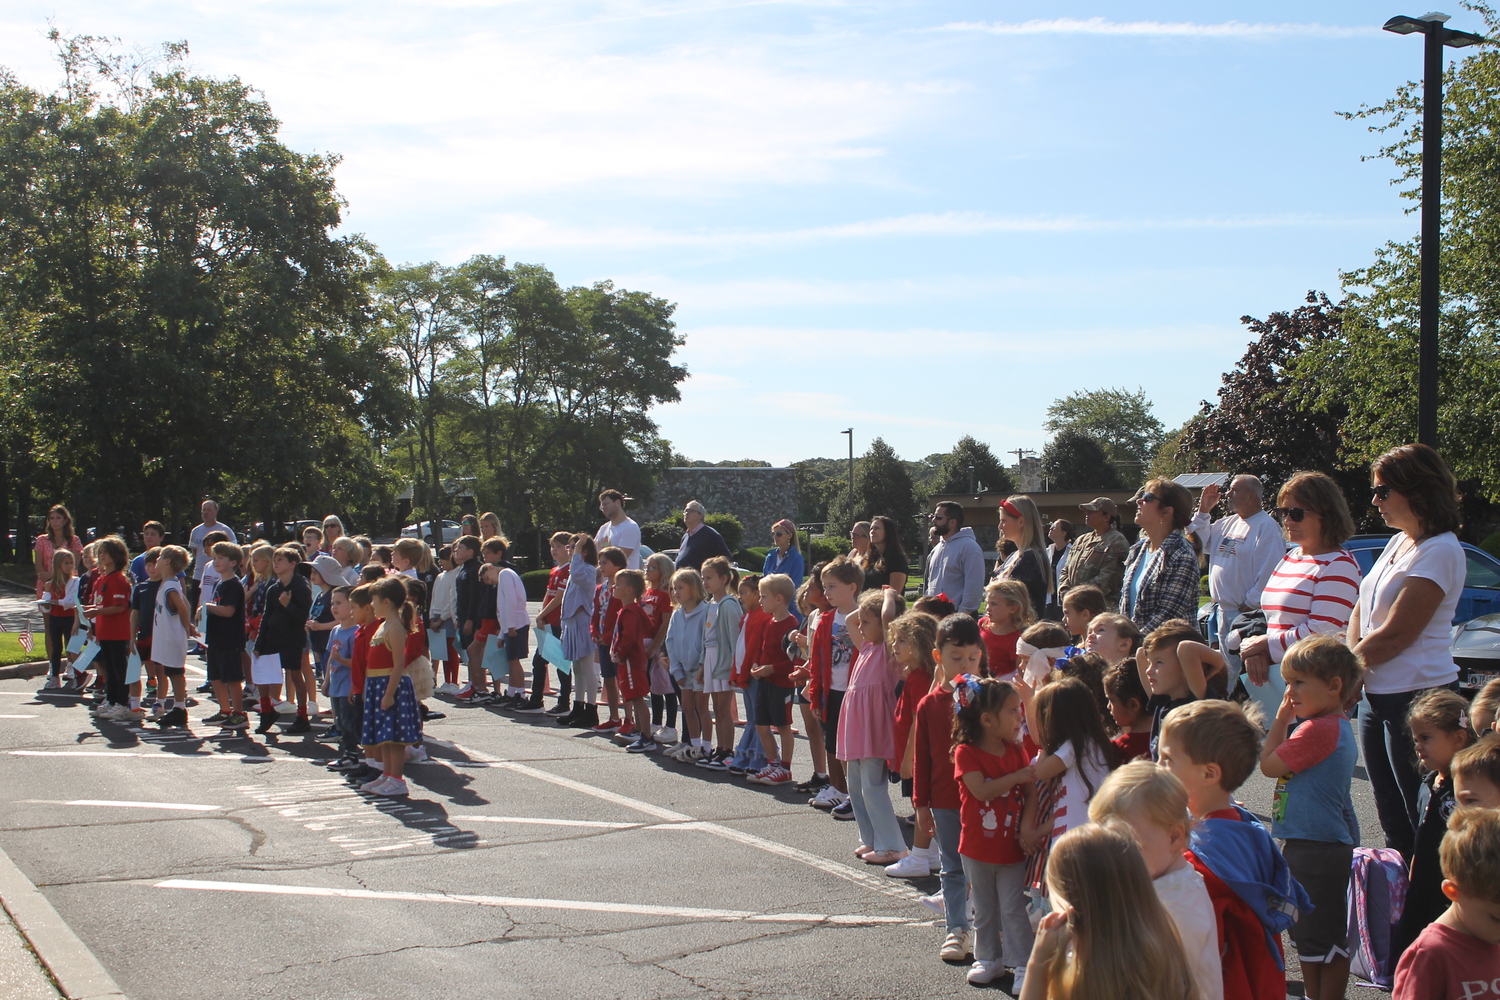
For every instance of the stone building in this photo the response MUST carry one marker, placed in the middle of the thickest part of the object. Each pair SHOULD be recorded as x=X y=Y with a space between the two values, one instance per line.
x=757 y=496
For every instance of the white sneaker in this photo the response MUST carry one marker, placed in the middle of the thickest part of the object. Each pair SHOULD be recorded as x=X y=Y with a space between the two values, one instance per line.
x=935 y=903
x=285 y=708
x=666 y=734
x=981 y=973
x=391 y=788
x=157 y=711
x=115 y=712
x=447 y=688
x=417 y=755
x=955 y=946
x=374 y=783
x=829 y=798
x=914 y=865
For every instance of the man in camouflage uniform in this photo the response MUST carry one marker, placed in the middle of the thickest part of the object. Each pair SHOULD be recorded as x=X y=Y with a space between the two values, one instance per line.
x=1098 y=556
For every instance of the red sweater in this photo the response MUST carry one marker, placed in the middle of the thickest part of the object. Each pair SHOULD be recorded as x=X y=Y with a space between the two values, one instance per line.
x=915 y=687
x=360 y=658
x=606 y=610
x=999 y=650
x=933 y=784
x=773 y=651
x=752 y=627
x=820 y=664
x=632 y=627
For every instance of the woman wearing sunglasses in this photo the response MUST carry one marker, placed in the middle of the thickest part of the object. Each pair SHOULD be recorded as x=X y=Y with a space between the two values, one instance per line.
x=1161 y=570
x=1313 y=588
x=786 y=557
x=1401 y=623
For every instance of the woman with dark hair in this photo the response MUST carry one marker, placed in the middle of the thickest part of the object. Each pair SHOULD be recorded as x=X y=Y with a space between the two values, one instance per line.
x=1401 y=624
x=58 y=536
x=1061 y=545
x=1161 y=569
x=1313 y=588
x=885 y=562
x=468 y=525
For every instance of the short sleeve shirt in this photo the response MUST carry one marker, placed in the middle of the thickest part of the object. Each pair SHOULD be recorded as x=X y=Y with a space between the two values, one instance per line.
x=990 y=831
x=1309 y=802
x=625 y=535
x=228 y=630
x=113 y=591
x=1427 y=662
x=1446 y=964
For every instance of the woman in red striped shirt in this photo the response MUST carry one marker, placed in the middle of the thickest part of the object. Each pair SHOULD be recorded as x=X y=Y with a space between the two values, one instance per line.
x=1312 y=590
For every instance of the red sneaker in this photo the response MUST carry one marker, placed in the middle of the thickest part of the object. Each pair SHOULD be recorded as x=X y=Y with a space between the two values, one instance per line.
x=607 y=725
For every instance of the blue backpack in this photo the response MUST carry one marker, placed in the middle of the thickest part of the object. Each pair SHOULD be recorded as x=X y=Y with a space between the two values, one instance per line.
x=1377 y=891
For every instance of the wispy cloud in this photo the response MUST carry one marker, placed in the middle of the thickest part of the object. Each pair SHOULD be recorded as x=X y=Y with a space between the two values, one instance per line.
x=529 y=231
x=1103 y=26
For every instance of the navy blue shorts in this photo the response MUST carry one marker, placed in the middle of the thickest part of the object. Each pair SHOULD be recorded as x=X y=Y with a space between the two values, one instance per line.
x=773 y=704
x=518 y=644
x=607 y=668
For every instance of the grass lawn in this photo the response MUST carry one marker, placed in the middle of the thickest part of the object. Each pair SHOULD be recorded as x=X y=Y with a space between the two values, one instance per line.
x=11 y=651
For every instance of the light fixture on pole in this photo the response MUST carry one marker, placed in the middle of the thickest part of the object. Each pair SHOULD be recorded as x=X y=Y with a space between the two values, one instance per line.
x=1434 y=26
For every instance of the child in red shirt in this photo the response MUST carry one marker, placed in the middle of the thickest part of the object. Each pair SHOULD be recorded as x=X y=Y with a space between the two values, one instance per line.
x=110 y=612
x=1457 y=956
x=1007 y=613
x=997 y=795
x=912 y=638
x=657 y=603
x=602 y=627
x=1127 y=706
x=773 y=668
x=364 y=616
x=749 y=757
x=627 y=647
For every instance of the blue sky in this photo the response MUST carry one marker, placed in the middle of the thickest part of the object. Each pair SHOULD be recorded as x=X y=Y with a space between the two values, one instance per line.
x=922 y=219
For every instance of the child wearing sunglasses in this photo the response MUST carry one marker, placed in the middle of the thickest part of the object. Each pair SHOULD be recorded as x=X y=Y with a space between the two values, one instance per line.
x=1312 y=590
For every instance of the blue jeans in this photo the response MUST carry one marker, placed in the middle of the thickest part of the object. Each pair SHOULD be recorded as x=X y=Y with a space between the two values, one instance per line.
x=748 y=753
x=870 y=795
x=955 y=882
x=1391 y=763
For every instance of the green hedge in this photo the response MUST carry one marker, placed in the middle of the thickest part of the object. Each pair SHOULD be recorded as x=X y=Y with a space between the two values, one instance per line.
x=1492 y=545
x=536 y=584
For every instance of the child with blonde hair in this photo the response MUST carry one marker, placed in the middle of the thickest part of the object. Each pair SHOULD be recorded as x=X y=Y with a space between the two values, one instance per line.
x=1114 y=940
x=1007 y=611
x=912 y=639
x=1482 y=709
x=772 y=666
x=685 y=661
x=721 y=633
x=1439 y=724
x=866 y=737
x=1151 y=805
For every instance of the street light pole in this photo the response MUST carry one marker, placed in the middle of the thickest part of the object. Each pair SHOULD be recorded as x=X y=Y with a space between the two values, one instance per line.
x=1433 y=26
x=850 y=432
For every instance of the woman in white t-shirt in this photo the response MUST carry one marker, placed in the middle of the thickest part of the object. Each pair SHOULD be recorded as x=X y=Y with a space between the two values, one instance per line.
x=1401 y=624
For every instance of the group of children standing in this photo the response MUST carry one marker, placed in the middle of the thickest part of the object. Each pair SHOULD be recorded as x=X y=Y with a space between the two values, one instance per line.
x=1073 y=783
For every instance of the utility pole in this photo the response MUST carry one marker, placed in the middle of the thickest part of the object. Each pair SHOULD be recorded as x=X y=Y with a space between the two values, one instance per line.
x=850 y=432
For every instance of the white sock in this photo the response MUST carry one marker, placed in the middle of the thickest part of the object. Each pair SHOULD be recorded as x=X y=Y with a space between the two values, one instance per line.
x=378 y=765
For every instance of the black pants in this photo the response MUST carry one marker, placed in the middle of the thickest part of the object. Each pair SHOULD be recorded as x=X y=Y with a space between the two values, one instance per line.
x=115 y=655
x=58 y=630
x=539 y=667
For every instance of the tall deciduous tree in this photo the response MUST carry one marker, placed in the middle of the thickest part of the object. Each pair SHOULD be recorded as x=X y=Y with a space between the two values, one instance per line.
x=954 y=475
x=181 y=318
x=881 y=486
x=1120 y=420
x=1074 y=461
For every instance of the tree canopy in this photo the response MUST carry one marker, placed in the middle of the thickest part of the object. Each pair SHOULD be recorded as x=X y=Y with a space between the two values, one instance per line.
x=1119 y=420
x=952 y=474
x=1073 y=460
x=881 y=486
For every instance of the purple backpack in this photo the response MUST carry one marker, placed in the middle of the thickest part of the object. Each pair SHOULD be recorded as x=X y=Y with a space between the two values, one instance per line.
x=1377 y=891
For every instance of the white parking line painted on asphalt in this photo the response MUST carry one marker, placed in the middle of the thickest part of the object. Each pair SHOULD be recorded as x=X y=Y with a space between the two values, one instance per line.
x=17 y=717
x=679 y=821
x=122 y=804
x=595 y=824
x=634 y=909
x=237 y=758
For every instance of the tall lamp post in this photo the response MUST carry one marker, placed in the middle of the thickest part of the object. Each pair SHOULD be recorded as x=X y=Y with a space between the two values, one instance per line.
x=1433 y=25
x=850 y=432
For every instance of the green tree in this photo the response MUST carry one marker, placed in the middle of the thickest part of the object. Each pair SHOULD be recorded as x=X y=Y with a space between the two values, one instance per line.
x=881 y=486
x=1365 y=376
x=181 y=319
x=952 y=473
x=1074 y=461
x=1119 y=420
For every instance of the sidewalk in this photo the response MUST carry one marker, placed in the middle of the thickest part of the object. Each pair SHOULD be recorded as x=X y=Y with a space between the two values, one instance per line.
x=21 y=975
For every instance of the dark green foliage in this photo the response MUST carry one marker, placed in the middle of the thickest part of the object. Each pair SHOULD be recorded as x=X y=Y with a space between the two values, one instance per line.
x=952 y=475
x=1119 y=420
x=881 y=486
x=728 y=526
x=1074 y=461
x=535 y=582
x=661 y=535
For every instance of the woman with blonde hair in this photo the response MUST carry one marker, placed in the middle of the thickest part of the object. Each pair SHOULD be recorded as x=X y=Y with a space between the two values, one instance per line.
x=489 y=526
x=786 y=557
x=1021 y=525
x=1110 y=938
x=58 y=536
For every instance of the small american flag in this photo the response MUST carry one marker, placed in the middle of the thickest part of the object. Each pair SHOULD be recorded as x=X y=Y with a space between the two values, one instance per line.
x=27 y=643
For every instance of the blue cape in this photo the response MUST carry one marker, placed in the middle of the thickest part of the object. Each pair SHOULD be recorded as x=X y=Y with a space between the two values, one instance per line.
x=1243 y=854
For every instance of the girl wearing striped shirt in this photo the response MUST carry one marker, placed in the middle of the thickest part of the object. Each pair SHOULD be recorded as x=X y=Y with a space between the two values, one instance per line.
x=1313 y=589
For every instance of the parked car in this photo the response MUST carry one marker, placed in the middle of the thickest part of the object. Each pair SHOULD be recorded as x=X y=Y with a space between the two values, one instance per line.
x=451 y=532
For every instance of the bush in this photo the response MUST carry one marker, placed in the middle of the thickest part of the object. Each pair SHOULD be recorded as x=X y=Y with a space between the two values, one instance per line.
x=535 y=582
x=661 y=535
x=1492 y=545
x=824 y=548
x=727 y=525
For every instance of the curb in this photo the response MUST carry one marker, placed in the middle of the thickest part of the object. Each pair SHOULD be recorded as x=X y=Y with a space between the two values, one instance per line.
x=23 y=670
x=77 y=971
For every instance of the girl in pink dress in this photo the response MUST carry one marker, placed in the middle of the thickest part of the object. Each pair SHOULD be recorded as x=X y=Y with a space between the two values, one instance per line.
x=867 y=724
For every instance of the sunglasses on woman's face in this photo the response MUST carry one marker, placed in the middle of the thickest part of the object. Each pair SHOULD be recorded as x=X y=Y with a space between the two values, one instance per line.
x=1381 y=492
x=1290 y=513
x=778 y=534
x=1147 y=498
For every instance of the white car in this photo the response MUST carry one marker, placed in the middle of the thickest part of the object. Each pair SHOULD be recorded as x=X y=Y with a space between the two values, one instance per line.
x=1476 y=652
x=451 y=532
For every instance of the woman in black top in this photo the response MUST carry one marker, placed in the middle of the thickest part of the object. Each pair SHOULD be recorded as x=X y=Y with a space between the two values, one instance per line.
x=283 y=632
x=1021 y=525
x=885 y=563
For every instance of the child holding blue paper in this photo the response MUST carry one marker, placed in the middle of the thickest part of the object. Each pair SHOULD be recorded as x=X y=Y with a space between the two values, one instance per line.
x=61 y=595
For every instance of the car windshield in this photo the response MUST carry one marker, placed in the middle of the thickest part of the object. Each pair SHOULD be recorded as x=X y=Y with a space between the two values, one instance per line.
x=1481 y=573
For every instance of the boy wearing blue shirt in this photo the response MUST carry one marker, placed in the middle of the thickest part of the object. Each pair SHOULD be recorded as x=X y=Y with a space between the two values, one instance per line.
x=340 y=654
x=1314 y=766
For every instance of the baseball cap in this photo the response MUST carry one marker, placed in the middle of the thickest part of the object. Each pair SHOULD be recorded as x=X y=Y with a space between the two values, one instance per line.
x=1104 y=504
